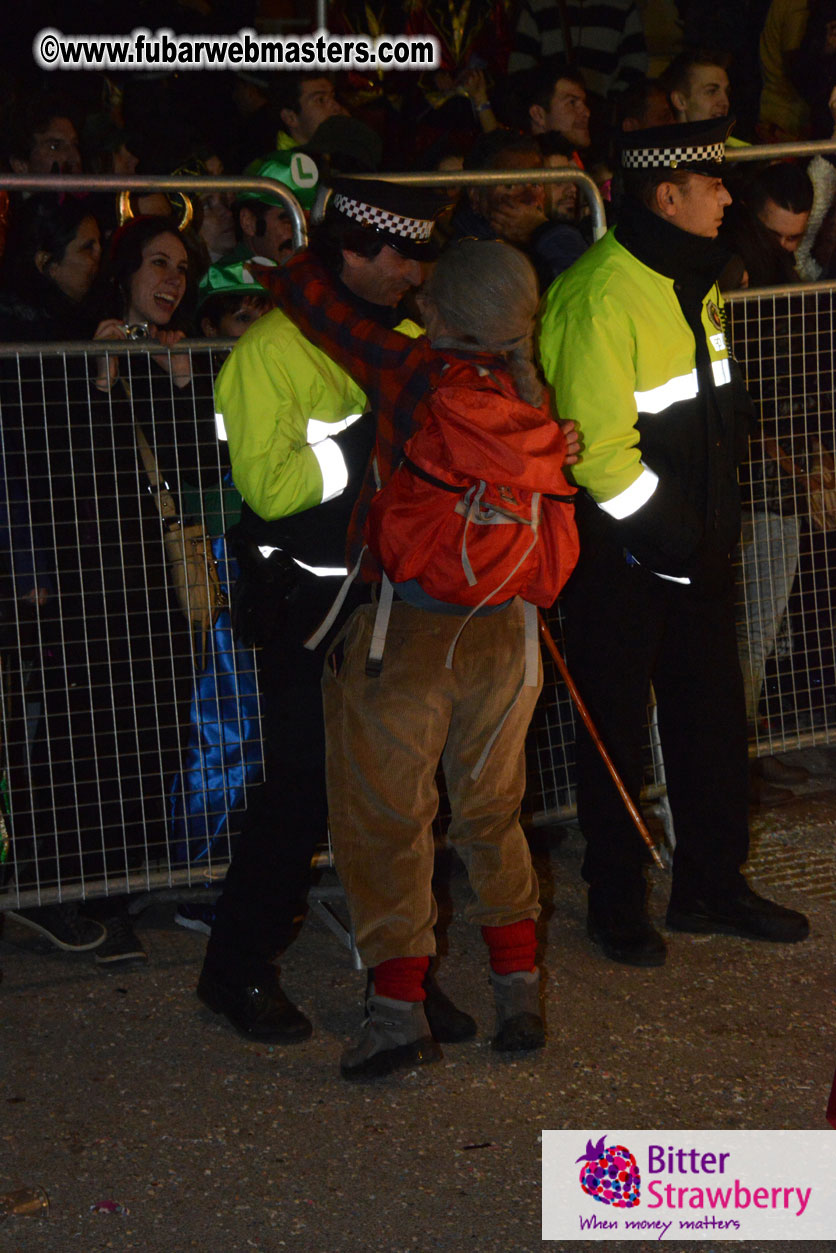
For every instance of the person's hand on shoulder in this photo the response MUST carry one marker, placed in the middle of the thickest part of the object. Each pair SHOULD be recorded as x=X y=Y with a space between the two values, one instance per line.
x=573 y=442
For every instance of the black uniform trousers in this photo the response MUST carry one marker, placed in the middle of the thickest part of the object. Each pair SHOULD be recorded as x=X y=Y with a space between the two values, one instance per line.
x=287 y=816
x=626 y=627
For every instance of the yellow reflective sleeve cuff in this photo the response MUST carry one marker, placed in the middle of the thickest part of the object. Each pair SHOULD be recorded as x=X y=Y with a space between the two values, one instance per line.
x=633 y=497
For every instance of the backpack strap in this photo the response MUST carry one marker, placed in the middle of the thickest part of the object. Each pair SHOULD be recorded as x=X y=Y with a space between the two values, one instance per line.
x=374 y=658
x=535 y=524
x=473 y=500
x=421 y=473
x=330 y=618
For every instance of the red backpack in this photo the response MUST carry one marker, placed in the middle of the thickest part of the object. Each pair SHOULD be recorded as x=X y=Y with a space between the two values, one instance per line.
x=478 y=510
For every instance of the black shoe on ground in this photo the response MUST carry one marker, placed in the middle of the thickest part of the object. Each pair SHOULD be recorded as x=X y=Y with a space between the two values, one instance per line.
x=122 y=946
x=63 y=926
x=448 y=1023
x=629 y=938
x=259 y=1011
x=743 y=913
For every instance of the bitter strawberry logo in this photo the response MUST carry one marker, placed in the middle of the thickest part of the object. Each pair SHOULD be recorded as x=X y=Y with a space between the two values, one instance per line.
x=610 y=1175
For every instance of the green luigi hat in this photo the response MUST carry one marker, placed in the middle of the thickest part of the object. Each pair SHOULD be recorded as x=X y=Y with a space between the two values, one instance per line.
x=298 y=171
x=224 y=280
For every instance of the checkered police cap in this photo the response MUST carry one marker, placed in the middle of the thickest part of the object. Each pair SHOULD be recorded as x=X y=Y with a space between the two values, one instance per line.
x=699 y=147
x=402 y=215
x=382 y=219
x=652 y=158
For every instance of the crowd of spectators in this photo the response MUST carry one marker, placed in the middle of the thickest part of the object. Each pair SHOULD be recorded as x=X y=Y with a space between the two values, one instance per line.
x=541 y=88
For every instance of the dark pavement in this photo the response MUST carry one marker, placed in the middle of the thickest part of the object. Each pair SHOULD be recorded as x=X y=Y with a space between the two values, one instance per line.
x=118 y=1086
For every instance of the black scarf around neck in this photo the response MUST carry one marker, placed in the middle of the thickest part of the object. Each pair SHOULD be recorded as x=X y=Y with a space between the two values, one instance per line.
x=692 y=261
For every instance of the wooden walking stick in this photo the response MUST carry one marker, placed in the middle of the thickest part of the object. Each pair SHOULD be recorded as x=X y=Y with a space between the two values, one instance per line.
x=586 y=718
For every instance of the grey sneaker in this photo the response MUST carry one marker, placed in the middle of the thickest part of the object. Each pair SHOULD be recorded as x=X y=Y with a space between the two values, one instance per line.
x=519 y=1022
x=196 y=916
x=395 y=1035
x=63 y=926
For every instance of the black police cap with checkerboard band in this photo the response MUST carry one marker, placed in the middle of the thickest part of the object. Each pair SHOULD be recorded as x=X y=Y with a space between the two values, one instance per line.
x=696 y=147
x=403 y=216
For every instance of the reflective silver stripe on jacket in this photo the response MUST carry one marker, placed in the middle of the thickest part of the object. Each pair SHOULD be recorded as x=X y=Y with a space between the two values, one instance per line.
x=633 y=497
x=681 y=387
x=329 y=455
x=321 y=572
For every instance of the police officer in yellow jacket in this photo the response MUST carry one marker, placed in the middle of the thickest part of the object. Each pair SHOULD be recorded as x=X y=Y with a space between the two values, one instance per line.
x=299 y=441
x=632 y=343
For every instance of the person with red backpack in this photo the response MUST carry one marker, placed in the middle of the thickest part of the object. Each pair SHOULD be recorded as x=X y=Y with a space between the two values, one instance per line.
x=468 y=524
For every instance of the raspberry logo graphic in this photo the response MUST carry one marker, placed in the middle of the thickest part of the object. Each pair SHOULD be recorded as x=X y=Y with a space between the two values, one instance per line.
x=610 y=1175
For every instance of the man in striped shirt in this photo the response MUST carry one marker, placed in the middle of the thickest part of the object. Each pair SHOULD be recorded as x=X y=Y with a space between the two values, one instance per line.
x=604 y=41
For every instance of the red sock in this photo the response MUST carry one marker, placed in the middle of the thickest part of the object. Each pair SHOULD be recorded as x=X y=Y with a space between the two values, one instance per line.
x=512 y=947
x=401 y=978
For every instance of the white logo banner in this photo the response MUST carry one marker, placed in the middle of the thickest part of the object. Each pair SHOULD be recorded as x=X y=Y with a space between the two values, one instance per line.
x=689 y=1185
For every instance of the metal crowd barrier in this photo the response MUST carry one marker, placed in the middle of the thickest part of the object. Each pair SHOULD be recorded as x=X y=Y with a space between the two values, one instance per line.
x=129 y=741
x=129 y=735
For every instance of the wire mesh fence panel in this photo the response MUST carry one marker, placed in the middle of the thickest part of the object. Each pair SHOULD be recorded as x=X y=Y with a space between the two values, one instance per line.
x=130 y=717
x=787 y=561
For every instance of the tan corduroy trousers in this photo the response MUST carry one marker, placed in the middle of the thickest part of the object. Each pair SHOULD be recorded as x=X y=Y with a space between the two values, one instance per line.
x=385 y=737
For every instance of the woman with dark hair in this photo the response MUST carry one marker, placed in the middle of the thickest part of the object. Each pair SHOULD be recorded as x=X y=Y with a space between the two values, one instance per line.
x=168 y=398
x=152 y=283
x=50 y=265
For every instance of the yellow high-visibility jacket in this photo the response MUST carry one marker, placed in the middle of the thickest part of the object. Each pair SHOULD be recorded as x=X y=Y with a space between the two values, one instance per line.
x=661 y=437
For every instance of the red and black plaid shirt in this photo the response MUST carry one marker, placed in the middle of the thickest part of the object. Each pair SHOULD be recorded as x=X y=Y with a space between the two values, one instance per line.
x=396 y=372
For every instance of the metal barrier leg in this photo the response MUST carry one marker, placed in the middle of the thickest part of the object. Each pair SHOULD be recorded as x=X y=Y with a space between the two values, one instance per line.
x=661 y=807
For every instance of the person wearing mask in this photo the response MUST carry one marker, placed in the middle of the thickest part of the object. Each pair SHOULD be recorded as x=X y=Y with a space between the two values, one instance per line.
x=456 y=676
